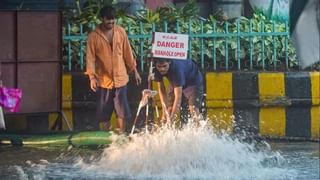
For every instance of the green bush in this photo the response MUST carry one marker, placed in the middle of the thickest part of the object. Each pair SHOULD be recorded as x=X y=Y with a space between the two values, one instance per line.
x=186 y=20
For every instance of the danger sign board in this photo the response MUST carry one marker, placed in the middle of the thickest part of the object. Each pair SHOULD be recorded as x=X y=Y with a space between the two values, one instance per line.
x=170 y=45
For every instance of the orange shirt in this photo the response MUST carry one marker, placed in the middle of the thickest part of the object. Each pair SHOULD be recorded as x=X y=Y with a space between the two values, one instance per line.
x=110 y=65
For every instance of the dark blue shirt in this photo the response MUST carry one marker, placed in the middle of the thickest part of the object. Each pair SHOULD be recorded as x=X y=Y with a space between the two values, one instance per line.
x=183 y=73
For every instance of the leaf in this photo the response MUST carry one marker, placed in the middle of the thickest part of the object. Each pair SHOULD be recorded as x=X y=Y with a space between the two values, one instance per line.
x=233 y=45
x=75 y=29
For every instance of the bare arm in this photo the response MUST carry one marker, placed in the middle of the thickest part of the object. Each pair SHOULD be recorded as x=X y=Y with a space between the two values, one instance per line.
x=137 y=76
x=177 y=101
x=90 y=60
x=129 y=59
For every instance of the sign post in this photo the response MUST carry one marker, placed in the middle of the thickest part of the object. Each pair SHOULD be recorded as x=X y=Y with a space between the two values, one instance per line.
x=170 y=45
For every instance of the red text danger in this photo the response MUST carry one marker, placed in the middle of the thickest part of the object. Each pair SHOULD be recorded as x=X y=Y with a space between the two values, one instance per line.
x=170 y=44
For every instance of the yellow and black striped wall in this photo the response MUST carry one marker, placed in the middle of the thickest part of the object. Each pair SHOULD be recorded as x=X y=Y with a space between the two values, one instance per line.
x=273 y=104
x=281 y=104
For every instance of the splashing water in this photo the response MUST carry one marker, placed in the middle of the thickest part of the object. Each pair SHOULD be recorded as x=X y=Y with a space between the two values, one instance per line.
x=146 y=94
x=188 y=153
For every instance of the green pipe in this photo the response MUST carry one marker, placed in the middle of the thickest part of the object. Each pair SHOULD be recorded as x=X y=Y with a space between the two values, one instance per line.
x=69 y=48
x=214 y=48
x=274 y=47
x=81 y=48
x=251 y=46
x=88 y=138
x=262 y=46
x=141 y=48
x=238 y=45
x=202 y=47
x=226 y=48
x=190 y=40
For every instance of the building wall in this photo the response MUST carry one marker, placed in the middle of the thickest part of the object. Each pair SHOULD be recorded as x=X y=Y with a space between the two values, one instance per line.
x=153 y=4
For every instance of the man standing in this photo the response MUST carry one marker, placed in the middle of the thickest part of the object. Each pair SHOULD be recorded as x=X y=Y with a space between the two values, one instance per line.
x=184 y=79
x=109 y=58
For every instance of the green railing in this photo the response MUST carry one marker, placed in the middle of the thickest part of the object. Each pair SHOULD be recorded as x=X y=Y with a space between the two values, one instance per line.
x=214 y=50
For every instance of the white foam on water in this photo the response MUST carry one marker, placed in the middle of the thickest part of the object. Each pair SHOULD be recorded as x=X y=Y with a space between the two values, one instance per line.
x=188 y=153
x=20 y=173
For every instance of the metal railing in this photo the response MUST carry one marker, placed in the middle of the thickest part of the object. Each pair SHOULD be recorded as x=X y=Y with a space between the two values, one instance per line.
x=223 y=48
